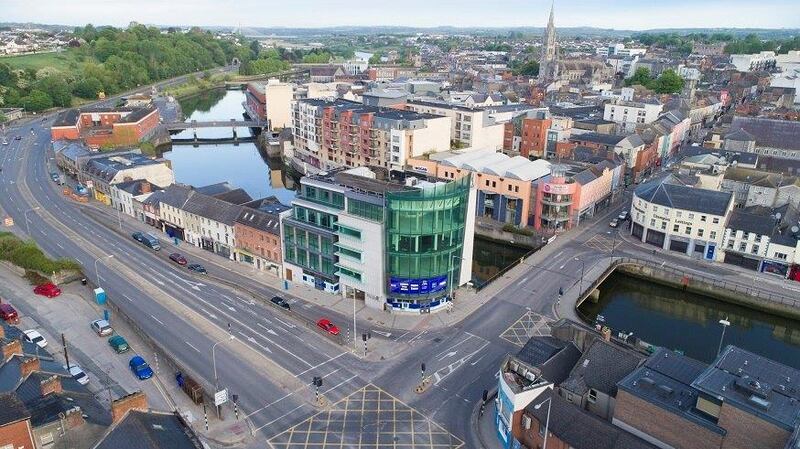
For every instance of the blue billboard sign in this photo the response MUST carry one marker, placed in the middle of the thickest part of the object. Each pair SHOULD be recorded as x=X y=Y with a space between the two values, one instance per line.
x=405 y=286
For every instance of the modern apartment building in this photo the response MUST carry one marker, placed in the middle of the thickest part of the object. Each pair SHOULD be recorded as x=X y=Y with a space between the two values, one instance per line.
x=270 y=101
x=473 y=128
x=334 y=134
x=396 y=245
x=629 y=114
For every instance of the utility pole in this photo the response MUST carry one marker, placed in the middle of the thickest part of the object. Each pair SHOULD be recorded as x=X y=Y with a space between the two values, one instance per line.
x=66 y=353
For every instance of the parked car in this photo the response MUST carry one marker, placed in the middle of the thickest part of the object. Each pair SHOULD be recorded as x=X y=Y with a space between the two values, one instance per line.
x=147 y=240
x=623 y=215
x=101 y=327
x=54 y=176
x=77 y=373
x=49 y=290
x=138 y=236
x=33 y=336
x=8 y=313
x=118 y=344
x=614 y=223
x=197 y=268
x=178 y=259
x=326 y=325
x=18 y=138
x=281 y=302
x=140 y=368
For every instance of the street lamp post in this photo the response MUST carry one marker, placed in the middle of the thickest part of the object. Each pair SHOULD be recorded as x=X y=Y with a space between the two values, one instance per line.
x=96 y=270
x=583 y=266
x=27 y=222
x=214 y=363
x=725 y=323
x=547 y=420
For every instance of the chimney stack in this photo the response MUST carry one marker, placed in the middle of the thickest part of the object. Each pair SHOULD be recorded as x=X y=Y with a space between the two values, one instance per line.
x=51 y=385
x=28 y=366
x=11 y=348
x=606 y=332
x=121 y=406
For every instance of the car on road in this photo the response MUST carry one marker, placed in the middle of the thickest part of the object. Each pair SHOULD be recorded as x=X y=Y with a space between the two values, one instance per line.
x=147 y=240
x=623 y=215
x=281 y=302
x=18 y=138
x=197 y=268
x=614 y=223
x=178 y=259
x=326 y=325
x=8 y=313
x=77 y=373
x=49 y=290
x=140 y=368
x=101 y=327
x=33 y=336
x=118 y=344
x=54 y=176
x=138 y=236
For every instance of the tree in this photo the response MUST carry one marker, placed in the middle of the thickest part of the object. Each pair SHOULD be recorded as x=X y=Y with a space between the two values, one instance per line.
x=57 y=89
x=530 y=68
x=3 y=118
x=640 y=77
x=668 y=83
x=255 y=47
x=87 y=88
x=317 y=58
x=375 y=59
x=37 y=101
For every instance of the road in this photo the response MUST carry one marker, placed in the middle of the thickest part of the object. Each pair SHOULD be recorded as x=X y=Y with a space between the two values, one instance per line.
x=274 y=356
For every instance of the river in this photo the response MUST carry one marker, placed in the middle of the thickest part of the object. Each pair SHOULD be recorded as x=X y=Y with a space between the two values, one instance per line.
x=672 y=318
x=240 y=164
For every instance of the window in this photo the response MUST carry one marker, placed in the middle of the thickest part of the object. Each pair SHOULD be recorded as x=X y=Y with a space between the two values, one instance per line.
x=730 y=244
x=715 y=220
x=688 y=230
x=745 y=235
x=781 y=256
x=743 y=246
x=702 y=218
x=755 y=249
x=663 y=225
x=350 y=232
x=691 y=216
x=678 y=214
x=653 y=222
x=541 y=429
x=676 y=228
x=526 y=422
x=712 y=235
x=699 y=232
x=592 y=397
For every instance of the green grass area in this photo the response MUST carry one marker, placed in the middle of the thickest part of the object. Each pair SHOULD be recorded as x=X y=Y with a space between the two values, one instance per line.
x=25 y=254
x=59 y=60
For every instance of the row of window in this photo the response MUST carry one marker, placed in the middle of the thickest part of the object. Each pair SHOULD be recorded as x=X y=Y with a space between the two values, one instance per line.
x=327 y=197
x=314 y=217
x=364 y=209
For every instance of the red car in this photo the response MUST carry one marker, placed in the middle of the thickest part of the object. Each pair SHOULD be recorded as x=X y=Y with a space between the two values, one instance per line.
x=49 y=289
x=326 y=325
x=8 y=314
x=178 y=259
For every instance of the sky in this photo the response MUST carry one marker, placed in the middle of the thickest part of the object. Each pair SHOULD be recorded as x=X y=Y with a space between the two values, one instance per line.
x=617 y=14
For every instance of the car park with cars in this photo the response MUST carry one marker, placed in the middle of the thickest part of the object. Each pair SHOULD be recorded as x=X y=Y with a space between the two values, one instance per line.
x=33 y=336
x=101 y=327
x=118 y=344
x=77 y=373
x=49 y=290
x=8 y=313
x=140 y=368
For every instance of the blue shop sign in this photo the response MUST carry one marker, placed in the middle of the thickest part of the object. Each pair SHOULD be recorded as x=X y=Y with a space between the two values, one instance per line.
x=405 y=286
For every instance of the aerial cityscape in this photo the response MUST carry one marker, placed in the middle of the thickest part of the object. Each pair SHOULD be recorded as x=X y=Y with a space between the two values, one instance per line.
x=318 y=225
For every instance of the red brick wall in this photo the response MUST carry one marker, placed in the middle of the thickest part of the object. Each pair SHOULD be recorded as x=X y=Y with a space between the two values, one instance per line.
x=255 y=241
x=665 y=426
x=508 y=136
x=534 y=136
x=61 y=133
x=17 y=434
x=531 y=439
x=746 y=431
x=133 y=401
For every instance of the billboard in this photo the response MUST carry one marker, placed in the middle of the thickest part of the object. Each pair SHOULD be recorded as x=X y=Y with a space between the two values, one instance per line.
x=405 y=286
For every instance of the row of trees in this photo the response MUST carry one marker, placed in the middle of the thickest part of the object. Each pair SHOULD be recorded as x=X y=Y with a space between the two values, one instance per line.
x=259 y=61
x=668 y=82
x=113 y=60
x=752 y=44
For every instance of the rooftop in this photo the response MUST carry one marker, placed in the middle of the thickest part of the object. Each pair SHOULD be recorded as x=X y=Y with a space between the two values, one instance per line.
x=670 y=192
x=771 y=133
x=149 y=430
x=495 y=163
x=600 y=368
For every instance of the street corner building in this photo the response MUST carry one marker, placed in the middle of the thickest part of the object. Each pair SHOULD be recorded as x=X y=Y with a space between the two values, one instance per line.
x=395 y=242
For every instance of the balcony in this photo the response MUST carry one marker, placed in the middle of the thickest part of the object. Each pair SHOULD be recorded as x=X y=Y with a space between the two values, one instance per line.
x=557 y=201
x=555 y=216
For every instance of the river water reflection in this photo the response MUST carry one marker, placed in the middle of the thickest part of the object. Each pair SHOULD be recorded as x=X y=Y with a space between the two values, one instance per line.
x=240 y=164
x=669 y=317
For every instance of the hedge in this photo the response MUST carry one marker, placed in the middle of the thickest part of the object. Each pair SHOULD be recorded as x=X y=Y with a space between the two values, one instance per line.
x=25 y=254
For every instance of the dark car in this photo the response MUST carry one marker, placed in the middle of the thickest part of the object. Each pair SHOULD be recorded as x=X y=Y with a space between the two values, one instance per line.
x=138 y=236
x=18 y=138
x=118 y=344
x=8 y=313
x=278 y=301
x=326 y=325
x=197 y=268
x=49 y=290
x=140 y=368
x=178 y=259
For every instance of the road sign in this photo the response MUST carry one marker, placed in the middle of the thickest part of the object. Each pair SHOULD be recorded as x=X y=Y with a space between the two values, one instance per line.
x=221 y=397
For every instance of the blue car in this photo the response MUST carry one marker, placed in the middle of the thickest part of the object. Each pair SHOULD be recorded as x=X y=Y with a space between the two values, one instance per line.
x=140 y=368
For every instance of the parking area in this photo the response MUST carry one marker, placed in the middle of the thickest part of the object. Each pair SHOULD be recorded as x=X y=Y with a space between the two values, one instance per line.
x=70 y=314
x=369 y=418
x=529 y=325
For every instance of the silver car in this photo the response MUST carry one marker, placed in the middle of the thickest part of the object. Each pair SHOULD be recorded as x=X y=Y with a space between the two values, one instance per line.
x=101 y=328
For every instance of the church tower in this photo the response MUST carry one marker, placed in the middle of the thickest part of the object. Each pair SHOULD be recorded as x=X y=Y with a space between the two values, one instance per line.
x=548 y=62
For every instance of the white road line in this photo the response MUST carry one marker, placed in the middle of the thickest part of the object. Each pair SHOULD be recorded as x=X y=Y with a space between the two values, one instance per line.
x=59 y=245
x=126 y=297
x=450 y=349
x=192 y=346
x=279 y=418
x=270 y=404
x=522 y=281
x=289 y=325
x=156 y=320
x=340 y=384
x=323 y=363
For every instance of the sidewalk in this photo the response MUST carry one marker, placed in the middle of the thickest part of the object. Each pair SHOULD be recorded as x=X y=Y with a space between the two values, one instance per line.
x=110 y=378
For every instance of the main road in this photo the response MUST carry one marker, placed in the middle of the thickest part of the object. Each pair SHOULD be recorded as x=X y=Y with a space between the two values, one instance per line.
x=273 y=358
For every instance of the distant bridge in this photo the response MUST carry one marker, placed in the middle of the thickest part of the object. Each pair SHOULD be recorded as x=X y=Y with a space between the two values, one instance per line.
x=232 y=123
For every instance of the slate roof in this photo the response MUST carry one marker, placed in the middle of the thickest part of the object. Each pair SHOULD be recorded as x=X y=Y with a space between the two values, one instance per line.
x=754 y=384
x=135 y=187
x=669 y=192
x=107 y=167
x=259 y=220
x=270 y=205
x=740 y=135
x=773 y=133
x=580 y=429
x=12 y=409
x=605 y=139
x=554 y=358
x=149 y=430
x=755 y=219
x=212 y=208
x=600 y=368
x=758 y=177
x=665 y=381
x=215 y=189
x=71 y=150
x=235 y=196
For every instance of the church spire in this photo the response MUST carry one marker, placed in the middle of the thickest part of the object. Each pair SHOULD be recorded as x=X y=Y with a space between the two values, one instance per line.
x=548 y=62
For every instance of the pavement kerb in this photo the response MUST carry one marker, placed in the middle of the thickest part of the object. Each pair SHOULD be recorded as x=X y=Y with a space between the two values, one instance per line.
x=475 y=418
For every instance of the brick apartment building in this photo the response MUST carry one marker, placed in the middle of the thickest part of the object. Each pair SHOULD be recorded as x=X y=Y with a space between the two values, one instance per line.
x=258 y=234
x=528 y=134
x=332 y=134
x=99 y=127
x=270 y=101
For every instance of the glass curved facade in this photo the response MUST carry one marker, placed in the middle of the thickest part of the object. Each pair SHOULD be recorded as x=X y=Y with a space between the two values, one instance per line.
x=425 y=239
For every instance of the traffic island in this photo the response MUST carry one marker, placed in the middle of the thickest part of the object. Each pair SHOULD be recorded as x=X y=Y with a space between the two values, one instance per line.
x=423 y=386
